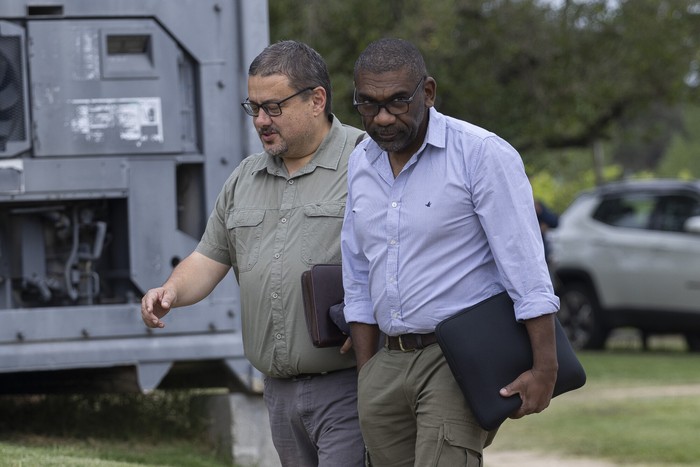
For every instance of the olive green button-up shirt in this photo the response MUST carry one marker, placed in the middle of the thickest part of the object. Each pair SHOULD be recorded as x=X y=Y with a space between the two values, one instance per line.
x=270 y=228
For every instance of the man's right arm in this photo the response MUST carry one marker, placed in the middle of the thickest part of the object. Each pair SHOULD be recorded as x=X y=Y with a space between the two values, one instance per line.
x=192 y=280
x=365 y=339
x=358 y=310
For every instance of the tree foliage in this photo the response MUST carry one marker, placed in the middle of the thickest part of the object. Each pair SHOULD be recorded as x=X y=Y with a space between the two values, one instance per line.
x=541 y=76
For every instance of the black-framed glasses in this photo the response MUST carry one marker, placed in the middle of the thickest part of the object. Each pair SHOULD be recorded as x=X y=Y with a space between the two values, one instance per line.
x=273 y=109
x=394 y=107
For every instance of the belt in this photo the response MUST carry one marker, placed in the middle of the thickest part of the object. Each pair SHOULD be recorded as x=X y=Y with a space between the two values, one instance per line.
x=408 y=342
x=305 y=376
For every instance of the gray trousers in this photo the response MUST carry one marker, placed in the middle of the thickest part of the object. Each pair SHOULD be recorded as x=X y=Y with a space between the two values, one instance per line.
x=314 y=420
x=412 y=412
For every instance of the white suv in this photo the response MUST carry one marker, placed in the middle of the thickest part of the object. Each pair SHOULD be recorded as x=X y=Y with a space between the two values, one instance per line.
x=628 y=254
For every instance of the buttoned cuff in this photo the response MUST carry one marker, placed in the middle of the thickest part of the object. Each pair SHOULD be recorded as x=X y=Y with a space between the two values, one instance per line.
x=359 y=312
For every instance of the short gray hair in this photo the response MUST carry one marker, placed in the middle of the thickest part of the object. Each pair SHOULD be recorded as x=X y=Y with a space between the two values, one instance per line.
x=391 y=54
x=304 y=67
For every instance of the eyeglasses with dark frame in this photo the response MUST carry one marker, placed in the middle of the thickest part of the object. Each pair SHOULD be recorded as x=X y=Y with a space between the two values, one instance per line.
x=273 y=109
x=394 y=107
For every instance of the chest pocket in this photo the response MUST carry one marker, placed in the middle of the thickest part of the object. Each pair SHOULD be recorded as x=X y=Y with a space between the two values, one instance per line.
x=245 y=228
x=321 y=233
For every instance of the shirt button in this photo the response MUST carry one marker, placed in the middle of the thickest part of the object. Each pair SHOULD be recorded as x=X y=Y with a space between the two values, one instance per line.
x=277 y=255
x=291 y=182
x=283 y=220
x=392 y=242
x=394 y=204
x=278 y=336
x=274 y=295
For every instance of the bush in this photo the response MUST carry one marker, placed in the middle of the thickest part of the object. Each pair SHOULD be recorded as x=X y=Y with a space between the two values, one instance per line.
x=154 y=416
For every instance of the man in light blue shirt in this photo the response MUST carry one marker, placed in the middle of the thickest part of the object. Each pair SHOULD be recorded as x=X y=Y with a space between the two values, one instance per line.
x=439 y=216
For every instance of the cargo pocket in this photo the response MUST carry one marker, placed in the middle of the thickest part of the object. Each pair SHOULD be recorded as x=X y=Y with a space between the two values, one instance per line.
x=245 y=232
x=459 y=444
x=321 y=233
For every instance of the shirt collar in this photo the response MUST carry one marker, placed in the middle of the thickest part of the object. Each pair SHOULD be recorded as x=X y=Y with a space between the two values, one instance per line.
x=437 y=129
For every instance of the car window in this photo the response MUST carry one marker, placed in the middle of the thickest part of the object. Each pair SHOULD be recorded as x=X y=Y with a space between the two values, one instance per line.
x=671 y=212
x=628 y=210
x=647 y=211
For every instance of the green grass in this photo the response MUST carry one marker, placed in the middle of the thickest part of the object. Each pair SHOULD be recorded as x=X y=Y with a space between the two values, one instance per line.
x=157 y=429
x=628 y=412
x=69 y=452
x=640 y=368
x=661 y=431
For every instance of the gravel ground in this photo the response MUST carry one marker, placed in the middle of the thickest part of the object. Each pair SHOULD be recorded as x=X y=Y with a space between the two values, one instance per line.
x=533 y=459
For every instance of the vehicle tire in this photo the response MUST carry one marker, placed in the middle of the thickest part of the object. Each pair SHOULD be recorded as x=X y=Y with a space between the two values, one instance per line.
x=693 y=341
x=580 y=316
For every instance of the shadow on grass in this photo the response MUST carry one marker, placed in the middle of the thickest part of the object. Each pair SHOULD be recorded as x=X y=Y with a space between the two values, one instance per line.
x=156 y=416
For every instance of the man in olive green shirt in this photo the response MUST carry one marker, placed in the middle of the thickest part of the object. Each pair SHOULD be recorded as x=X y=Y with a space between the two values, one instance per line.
x=279 y=213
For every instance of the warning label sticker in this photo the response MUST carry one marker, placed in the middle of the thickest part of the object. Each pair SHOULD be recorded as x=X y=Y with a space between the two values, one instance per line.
x=128 y=119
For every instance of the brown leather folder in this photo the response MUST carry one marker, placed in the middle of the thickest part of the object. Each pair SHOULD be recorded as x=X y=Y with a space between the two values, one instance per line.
x=322 y=288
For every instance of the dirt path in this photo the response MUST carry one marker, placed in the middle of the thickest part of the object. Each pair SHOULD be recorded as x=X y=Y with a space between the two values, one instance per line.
x=533 y=459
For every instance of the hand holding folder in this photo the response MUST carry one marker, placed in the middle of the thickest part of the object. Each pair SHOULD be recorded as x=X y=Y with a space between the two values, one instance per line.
x=322 y=291
x=486 y=349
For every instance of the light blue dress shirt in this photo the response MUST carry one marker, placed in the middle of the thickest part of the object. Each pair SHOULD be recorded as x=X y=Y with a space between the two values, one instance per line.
x=456 y=226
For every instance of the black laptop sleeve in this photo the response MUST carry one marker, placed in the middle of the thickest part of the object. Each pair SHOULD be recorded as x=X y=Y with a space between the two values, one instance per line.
x=486 y=349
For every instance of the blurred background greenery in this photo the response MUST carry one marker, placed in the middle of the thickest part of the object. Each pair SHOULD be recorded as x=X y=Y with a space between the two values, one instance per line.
x=587 y=91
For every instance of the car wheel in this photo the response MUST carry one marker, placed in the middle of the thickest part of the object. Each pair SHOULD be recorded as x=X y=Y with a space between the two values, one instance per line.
x=693 y=341
x=579 y=314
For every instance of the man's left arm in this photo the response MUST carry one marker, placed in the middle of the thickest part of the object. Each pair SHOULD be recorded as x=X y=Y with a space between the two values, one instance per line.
x=536 y=385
